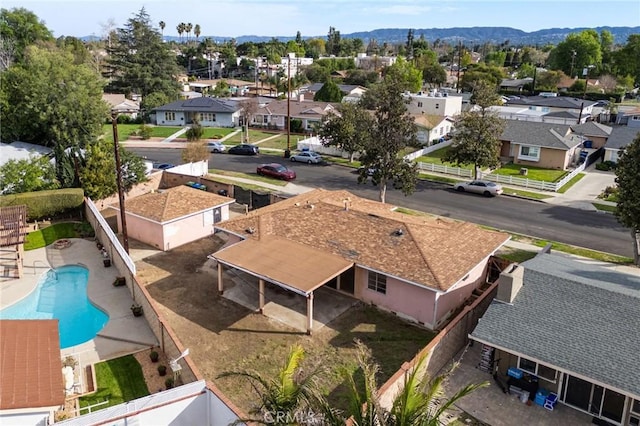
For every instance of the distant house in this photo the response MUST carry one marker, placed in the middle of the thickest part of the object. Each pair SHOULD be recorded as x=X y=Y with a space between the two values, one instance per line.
x=620 y=137
x=172 y=217
x=212 y=112
x=595 y=132
x=581 y=107
x=573 y=327
x=421 y=268
x=431 y=128
x=31 y=369
x=546 y=145
x=515 y=84
x=433 y=103
x=274 y=114
x=120 y=104
x=629 y=117
x=351 y=92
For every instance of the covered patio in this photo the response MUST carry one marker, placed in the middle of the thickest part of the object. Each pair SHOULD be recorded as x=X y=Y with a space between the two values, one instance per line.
x=291 y=266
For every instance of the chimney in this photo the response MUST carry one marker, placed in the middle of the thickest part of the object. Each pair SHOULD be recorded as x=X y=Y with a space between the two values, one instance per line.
x=510 y=283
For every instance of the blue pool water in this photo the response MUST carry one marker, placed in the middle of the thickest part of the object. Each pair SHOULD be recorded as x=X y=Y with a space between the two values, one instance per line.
x=61 y=294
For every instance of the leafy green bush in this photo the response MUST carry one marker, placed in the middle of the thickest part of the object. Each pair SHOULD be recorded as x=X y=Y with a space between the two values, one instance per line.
x=606 y=165
x=610 y=193
x=145 y=131
x=43 y=204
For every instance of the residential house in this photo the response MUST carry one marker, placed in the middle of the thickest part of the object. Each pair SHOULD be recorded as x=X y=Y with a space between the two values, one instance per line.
x=583 y=108
x=620 y=137
x=236 y=87
x=546 y=145
x=523 y=113
x=375 y=62
x=595 y=132
x=574 y=327
x=432 y=128
x=515 y=85
x=31 y=369
x=351 y=92
x=274 y=114
x=120 y=104
x=169 y=218
x=21 y=151
x=422 y=268
x=629 y=117
x=433 y=103
x=212 y=112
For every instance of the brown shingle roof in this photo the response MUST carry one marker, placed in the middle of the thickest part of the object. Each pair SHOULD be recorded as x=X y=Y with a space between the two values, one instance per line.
x=173 y=203
x=429 y=251
x=298 y=108
x=30 y=365
x=427 y=120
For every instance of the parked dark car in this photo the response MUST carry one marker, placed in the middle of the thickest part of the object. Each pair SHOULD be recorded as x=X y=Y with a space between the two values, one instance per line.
x=164 y=166
x=244 y=149
x=276 y=170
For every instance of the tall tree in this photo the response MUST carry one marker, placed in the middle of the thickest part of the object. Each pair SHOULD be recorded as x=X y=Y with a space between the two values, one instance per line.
x=162 y=25
x=329 y=92
x=575 y=52
x=477 y=132
x=20 y=28
x=392 y=131
x=188 y=29
x=627 y=59
x=27 y=175
x=347 y=130
x=405 y=74
x=628 y=181
x=140 y=62
x=197 y=31
x=49 y=100
x=333 y=42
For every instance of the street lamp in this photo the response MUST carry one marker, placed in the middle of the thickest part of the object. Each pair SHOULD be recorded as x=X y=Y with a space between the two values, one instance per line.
x=116 y=150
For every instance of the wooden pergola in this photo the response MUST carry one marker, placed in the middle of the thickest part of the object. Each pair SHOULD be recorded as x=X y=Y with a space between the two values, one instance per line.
x=13 y=229
x=292 y=266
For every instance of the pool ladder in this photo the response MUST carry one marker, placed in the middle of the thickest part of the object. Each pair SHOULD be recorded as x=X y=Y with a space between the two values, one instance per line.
x=41 y=261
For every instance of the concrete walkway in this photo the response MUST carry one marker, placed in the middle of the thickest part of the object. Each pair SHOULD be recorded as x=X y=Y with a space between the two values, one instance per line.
x=586 y=190
x=177 y=134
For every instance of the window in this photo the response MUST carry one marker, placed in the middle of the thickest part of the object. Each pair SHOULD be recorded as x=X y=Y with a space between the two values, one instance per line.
x=634 y=419
x=265 y=119
x=530 y=153
x=419 y=104
x=169 y=116
x=377 y=282
x=208 y=116
x=437 y=106
x=542 y=371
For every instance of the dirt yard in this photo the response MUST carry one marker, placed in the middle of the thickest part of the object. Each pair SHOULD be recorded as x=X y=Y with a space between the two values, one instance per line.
x=224 y=336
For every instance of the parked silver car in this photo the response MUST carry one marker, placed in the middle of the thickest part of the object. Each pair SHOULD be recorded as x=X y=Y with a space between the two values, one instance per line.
x=307 y=157
x=483 y=187
x=216 y=146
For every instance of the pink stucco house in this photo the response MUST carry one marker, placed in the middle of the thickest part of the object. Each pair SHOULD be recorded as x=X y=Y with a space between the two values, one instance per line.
x=169 y=218
x=420 y=267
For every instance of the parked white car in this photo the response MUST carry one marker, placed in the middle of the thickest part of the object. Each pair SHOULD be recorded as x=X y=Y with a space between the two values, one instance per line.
x=216 y=146
x=307 y=157
x=483 y=187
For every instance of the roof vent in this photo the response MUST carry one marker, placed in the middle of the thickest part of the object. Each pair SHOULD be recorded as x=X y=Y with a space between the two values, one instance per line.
x=398 y=232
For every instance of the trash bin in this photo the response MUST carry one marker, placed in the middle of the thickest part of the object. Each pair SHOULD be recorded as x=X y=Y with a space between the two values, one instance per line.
x=223 y=192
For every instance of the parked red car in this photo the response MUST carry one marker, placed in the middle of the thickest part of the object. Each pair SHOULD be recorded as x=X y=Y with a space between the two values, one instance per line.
x=276 y=170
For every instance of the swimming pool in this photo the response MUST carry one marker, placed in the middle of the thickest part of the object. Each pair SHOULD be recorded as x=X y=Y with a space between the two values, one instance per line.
x=61 y=294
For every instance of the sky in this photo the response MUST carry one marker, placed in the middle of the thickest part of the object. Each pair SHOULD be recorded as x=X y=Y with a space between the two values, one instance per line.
x=314 y=17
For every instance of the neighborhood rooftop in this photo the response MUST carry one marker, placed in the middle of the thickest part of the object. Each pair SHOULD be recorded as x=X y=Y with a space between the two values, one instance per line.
x=621 y=136
x=428 y=251
x=202 y=104
x=548 y=135
x=578 y=317
x=555 y=102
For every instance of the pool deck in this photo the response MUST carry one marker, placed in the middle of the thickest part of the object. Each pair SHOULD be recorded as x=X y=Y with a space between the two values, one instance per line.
x=123 y=334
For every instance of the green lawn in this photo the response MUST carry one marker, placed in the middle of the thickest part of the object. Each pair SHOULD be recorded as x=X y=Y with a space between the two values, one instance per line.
x=251 y=176
x=118 y=380
x=535 y=173
x=254 y=136
x=572 y=182
x=216 y=132
x=517 y=255
x=604 y=207
x=435 y=157
x=124 y=131
x=44 y=237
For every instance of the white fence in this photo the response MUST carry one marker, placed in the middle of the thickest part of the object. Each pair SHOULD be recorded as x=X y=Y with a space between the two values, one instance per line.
x=427 y=150
x=111 y=236
x=438 y=168
x=201 y=168
x=535 y=184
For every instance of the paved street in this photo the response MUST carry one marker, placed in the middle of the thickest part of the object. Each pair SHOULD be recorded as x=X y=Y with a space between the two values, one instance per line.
x=590 y=229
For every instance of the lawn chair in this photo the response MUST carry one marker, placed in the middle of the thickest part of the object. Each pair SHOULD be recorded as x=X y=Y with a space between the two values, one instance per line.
x=552 y=400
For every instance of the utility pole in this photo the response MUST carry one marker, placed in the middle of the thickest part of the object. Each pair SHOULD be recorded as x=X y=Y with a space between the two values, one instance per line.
x=287 y=152
x=116 y=149
x=459 y=65
x=573 y=60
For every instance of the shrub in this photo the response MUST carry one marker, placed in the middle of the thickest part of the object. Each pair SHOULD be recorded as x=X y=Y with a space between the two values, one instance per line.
x=169 y=382
x=606 y=165
x=44 y=204
x=154 y=356
x=145 y=131
x=162 y=370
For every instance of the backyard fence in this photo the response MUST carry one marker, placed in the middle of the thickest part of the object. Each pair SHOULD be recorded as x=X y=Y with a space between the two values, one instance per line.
x=427 y=150
x=438 y=168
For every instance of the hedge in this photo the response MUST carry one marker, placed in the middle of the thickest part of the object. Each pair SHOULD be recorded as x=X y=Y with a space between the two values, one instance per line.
x=41 y=204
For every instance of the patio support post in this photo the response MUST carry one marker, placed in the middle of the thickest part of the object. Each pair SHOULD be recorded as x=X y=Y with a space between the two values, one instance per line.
x=338 y=283
x=309 y=313
x=261 y=283
x=220 y=286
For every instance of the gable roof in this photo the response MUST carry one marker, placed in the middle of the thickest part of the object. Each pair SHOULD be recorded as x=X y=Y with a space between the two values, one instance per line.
x=201 y=104
x=429 y=121
x=344 y=88
x=173 y=203
x=428 y=251
x=30 y=364
x=516 y=82
x=621 y=136
x=298 y=108
x=574 y=316
x=535 y=133
x=591 y=128
x=554 y=102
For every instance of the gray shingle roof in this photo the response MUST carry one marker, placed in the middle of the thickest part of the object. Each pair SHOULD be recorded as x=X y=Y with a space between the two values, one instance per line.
x=203 y=104
x=621 y=136
x=553 y=102
x=591 y=128
x=547 y=135
x=577 y=317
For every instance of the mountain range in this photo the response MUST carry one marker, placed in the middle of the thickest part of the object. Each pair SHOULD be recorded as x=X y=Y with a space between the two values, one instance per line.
x=468 y=35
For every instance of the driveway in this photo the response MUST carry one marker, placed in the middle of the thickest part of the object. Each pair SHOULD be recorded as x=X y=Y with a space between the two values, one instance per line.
x=586 y=190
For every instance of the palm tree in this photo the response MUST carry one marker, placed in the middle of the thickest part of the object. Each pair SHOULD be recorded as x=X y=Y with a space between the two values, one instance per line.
x=196 y=31
x=414 y=405
x=188 y=29
x=288 y=393
x=180 y=29
x=162 y=24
